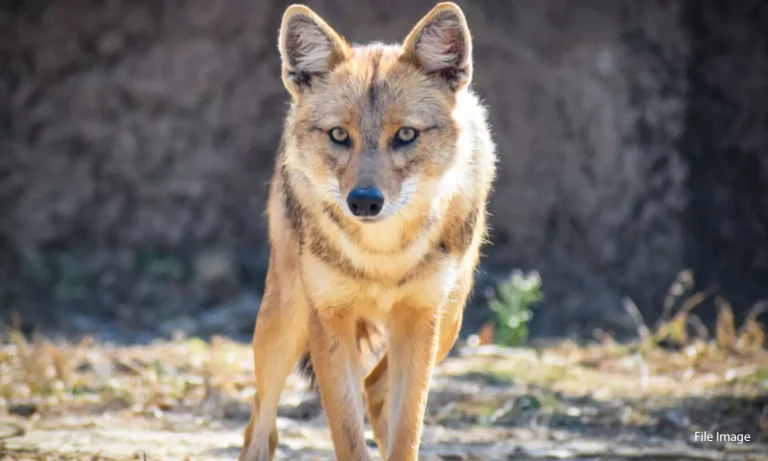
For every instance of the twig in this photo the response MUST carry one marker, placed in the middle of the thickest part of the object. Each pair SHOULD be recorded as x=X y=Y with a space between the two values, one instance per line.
x=697 y=299
x=637 y=318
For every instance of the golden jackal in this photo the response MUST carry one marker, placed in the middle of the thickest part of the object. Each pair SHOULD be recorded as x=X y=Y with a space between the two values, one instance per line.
x=377 y=211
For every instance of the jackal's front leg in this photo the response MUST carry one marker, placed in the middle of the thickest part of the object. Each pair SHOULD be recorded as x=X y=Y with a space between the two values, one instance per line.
x=377 y=381
x=279 y=338
x=412 y=350
x=336 y=362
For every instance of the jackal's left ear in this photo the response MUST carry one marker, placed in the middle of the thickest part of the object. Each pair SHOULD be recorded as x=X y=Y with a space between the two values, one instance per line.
x=441 y=45
x=309 y=47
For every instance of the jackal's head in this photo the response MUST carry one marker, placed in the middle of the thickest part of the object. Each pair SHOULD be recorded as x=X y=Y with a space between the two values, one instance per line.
x=372 y=127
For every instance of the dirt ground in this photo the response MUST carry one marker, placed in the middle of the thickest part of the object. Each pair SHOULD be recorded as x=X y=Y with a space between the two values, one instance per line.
x=188 y=399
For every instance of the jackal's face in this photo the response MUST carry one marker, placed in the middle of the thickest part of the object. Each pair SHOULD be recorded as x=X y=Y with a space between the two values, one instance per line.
x=372 y=126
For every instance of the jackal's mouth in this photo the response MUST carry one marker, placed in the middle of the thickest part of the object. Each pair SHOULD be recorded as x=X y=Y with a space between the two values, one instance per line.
x=371 y=220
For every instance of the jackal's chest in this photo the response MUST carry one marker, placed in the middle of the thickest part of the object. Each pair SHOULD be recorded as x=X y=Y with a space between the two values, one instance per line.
x=330 y=288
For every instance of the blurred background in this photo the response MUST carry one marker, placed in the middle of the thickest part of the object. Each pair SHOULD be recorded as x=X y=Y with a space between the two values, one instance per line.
x=629 y=253
x=137 y=140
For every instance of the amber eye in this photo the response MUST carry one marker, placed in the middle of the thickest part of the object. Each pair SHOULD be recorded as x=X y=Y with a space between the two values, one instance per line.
x=339 y=136
x=405 y=135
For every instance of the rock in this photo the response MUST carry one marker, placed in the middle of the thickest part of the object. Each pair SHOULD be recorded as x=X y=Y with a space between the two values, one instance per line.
x=22 y=409
x=233 y=318
x=216 y=275
x=184 y=324
x=677 y=418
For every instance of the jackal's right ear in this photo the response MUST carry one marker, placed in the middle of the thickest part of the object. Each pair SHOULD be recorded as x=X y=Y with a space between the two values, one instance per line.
x=309 y=47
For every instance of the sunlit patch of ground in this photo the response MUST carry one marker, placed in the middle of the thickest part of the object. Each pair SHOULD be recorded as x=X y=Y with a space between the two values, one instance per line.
x=190 y=399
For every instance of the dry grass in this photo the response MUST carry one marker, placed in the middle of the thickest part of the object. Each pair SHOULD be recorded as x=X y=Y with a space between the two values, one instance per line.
x=673 y=381
x=142 y=380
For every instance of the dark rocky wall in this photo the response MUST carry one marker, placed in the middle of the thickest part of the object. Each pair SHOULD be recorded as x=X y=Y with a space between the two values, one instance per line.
x=725 y=144
x=137 y=141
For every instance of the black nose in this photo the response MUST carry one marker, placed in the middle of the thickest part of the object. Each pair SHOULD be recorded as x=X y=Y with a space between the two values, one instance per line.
x=365 y=201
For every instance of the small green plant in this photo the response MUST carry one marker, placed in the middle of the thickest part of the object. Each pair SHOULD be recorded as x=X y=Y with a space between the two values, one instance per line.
x=512 y=304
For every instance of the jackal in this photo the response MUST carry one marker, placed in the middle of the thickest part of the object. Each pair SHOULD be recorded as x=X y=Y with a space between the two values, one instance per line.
x=377 y=212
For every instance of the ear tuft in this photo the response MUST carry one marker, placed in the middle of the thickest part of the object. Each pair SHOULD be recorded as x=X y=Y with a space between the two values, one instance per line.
x=440 y=44
x=309 y=47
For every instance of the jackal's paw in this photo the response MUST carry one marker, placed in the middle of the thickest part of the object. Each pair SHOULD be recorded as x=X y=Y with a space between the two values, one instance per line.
x=259 y=450
x=253 y=453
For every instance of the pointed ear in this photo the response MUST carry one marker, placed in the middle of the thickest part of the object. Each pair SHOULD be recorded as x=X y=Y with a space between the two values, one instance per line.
x=309 y=47
x=441 y=45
